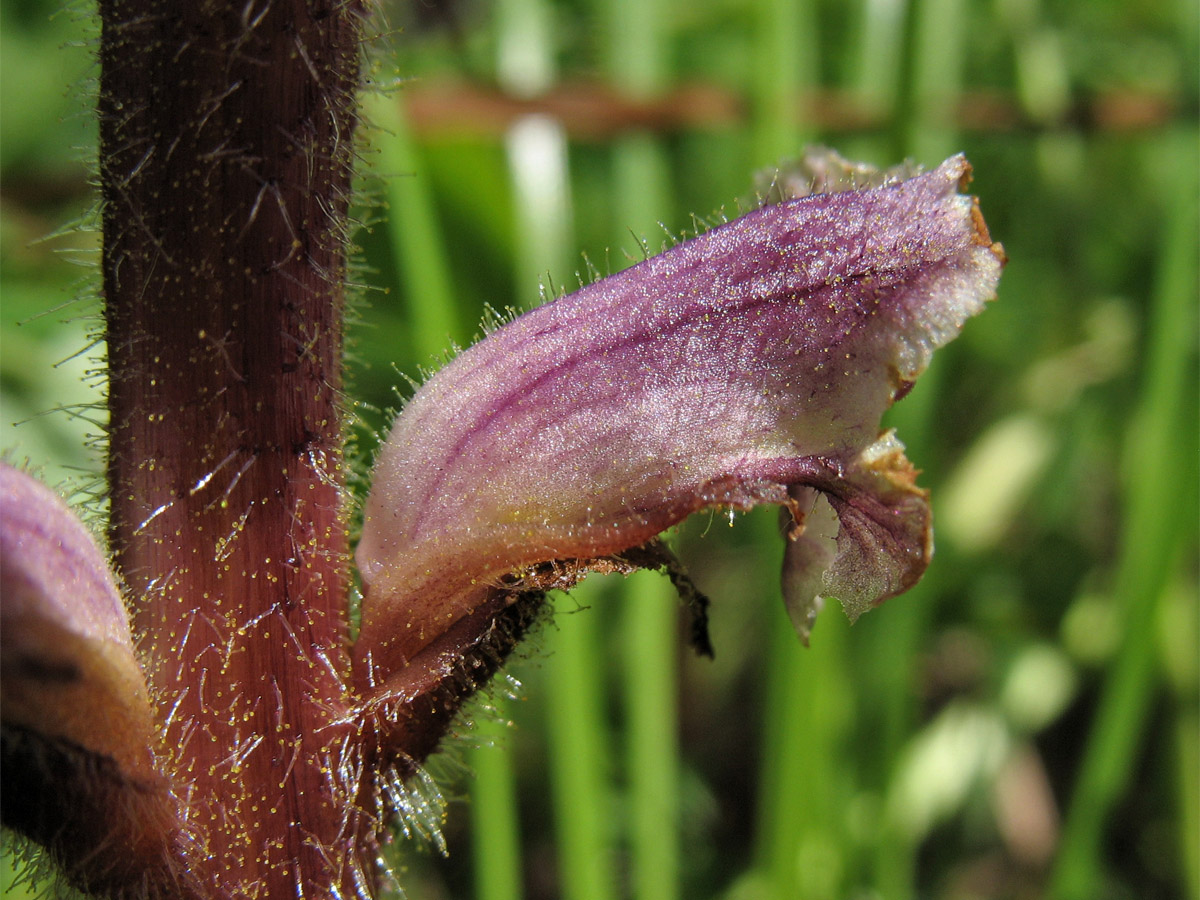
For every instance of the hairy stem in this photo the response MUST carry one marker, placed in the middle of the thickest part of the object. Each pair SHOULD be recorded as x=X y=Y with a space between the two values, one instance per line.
x=226 y=149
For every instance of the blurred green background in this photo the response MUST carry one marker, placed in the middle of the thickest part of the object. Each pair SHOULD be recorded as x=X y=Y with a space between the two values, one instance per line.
x=1024 y=723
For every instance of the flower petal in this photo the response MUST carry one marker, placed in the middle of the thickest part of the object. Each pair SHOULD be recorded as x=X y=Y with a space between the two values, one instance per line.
x=884 y=538
x=78 y=730
x=811 y=549
x=65 y=629
x=755 y=357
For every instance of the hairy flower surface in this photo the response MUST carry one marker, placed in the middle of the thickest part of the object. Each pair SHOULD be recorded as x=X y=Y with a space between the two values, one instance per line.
x=69 y=668
x=751 y=364
x=78 y=733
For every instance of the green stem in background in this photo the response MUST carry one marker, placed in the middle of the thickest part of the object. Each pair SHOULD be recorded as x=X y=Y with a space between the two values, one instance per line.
x=1153 y=529
x=414 y=234
x=879 y=54
x=936 y=47
x=875 y=75
x=650 y=609
x=786 y=72
x=876 y=81
x=578 y=748
x=524 y=66
x=802 y=844
x=495 y=835
x=635 y=54
x=890 y=649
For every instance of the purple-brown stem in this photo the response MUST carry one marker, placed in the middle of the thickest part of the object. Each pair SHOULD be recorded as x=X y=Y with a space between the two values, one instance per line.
x=226 y=150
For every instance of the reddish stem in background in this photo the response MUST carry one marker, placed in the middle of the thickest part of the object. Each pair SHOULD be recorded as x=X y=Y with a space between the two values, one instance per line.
x=226 y=149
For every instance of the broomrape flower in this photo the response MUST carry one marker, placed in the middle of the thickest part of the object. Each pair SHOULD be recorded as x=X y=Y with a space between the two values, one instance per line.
x=748 y=365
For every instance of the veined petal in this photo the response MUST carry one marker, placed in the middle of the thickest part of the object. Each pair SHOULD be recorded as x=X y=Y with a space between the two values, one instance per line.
x=884 y=534
x=756 y=357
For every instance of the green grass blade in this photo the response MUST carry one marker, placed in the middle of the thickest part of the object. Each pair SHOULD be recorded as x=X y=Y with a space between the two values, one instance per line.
x=578 y=747
x=802 y=845
x=414 y=233
x=939 y=42
x=495 y=834
x=786 y=72
x=650 y=609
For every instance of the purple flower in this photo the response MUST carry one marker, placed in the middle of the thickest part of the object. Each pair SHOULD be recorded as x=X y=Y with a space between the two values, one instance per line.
x=79 y=734
x=749 y=365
